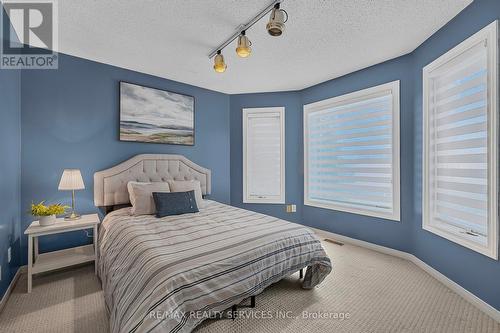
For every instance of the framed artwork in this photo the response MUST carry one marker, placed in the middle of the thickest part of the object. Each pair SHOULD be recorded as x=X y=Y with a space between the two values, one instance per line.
x=155 y=116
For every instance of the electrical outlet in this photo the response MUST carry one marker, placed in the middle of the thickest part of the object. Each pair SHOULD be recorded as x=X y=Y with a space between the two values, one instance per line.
x=9 y=255
x=291 y=208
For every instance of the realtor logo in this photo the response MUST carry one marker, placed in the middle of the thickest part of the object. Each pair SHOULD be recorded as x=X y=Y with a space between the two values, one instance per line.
x=29 y=34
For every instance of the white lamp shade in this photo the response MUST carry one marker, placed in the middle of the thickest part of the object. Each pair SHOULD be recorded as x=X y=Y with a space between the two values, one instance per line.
x=71 y=180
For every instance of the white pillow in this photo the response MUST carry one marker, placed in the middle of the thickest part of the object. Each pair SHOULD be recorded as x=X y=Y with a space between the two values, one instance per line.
x=141 y=196
x=188 y=185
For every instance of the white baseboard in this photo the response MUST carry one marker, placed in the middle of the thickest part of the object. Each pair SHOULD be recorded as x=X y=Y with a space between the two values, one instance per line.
x=473 y=299
x=12 y=284
x=467 y=295
x=368 y=245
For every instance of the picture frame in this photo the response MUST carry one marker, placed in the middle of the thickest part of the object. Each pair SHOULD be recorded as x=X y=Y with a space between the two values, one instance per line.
x=153 y=115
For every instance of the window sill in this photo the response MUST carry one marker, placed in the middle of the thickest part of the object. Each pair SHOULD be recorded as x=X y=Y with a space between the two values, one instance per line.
x=355 y=210
x=264 y=200
x=457 y=235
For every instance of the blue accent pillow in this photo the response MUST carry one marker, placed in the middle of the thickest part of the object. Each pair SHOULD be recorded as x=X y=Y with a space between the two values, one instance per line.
x=174 y=203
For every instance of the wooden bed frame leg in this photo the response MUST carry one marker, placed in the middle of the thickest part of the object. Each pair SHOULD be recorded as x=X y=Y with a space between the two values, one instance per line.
x=301 y=274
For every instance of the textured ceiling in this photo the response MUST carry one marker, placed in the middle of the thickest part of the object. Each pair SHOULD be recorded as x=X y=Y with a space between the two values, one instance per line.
x=324 y=38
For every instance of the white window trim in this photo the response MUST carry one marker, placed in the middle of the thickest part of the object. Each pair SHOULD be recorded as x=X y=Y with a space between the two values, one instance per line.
x=455 y=234
x=269 y=200
x=353 y=97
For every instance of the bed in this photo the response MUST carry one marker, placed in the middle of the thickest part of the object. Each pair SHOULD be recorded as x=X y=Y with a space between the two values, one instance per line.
x=169 y=274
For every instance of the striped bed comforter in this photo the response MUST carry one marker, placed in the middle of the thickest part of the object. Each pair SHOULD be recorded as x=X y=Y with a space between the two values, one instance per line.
x=169 y=274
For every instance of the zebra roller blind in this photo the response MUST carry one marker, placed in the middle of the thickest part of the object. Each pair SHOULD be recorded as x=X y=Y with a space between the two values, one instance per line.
x=460 y=139
x=351 y=146
x=263 y=146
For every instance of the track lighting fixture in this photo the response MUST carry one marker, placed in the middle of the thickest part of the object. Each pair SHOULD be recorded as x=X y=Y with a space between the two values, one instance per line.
x=276 y=24
x=275 y=27
x=219 y=64
x=243 y=49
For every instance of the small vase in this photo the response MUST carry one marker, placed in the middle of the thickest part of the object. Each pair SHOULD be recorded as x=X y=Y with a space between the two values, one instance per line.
x=46 y=220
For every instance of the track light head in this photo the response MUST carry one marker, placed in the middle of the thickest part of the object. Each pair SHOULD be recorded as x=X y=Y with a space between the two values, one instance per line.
x=275 y=27
x=276 y=24
x=219 y=64
x=243 y=49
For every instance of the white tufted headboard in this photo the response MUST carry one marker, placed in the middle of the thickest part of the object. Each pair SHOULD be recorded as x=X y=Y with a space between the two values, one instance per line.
x=110 y=185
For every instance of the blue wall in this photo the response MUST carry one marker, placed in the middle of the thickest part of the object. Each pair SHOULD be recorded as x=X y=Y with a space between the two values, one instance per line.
x=293 y=145
x=475 y=272
x=376 y=230
x=10 y=172
x=380 y=231
x=70 y=119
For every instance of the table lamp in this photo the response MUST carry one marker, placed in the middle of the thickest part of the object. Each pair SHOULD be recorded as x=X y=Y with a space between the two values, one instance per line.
x=71 y=180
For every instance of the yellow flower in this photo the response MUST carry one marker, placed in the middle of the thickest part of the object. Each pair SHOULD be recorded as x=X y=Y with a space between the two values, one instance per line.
x=40 y=209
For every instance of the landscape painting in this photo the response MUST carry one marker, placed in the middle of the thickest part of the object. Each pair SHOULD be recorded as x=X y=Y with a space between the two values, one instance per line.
x=155 y=116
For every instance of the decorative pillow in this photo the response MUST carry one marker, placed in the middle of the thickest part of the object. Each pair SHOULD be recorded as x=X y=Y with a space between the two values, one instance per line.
x=141 y=196
x=175 y=203
x=188 y=185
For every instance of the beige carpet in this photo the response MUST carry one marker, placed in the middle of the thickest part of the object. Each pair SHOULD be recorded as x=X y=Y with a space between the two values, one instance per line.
x=372 y=292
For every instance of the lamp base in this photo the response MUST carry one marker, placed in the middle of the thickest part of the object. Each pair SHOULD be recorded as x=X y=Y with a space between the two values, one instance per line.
x=73 y=216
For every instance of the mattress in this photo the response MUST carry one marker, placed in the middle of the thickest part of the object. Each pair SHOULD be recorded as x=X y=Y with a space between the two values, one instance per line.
x=169 y=274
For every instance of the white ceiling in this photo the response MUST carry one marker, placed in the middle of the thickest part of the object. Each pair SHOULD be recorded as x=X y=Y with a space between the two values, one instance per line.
x=324 y=38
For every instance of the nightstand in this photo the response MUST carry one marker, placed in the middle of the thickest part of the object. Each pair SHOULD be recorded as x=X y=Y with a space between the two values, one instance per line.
x=38 y=263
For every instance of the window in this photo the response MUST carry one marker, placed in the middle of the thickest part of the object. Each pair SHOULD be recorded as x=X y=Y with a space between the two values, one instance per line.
x=460 y=143
x=351 y=152
x=264 y=155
